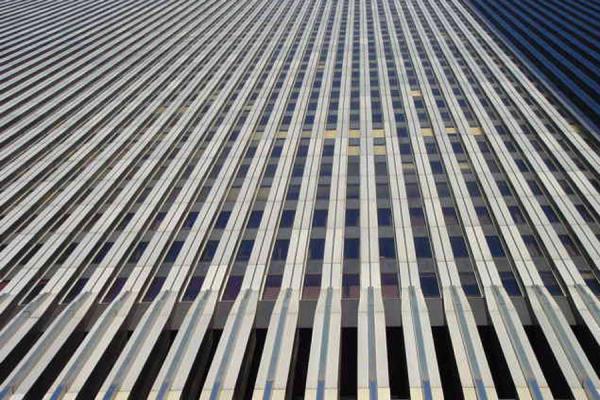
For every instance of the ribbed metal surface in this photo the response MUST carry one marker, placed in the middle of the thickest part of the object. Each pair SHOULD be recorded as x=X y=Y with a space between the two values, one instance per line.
x=267 y=199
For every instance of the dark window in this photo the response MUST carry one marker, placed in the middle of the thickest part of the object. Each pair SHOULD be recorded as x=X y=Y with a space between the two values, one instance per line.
x=510 y=283
x=272 y=286
x=190 y=219
x=280 y=249
x=114 y=290
x=209 y=250
x=254 y=220
x=469 y=284
x=473 y=189
x=429 y=284
x=222 y=219
x=587 y=217
x=436 y=167
x=316 y=249
x=569 y=245
x=417 y=217
x=504 y=189
x=193 y=288
x=484 y=215
x=384 y=216
x=312 y=286
x=532 y=246
x=352 y=217
x=495 y=246
x=154 y=288
x=459 y=248
x=351 y=249
x=516 y=214
x=173 y=252
x=234 y=284
x=75 y=290
x=351 y=286
x=352 y=191
x=245 y=250
x=387 y=249
x=102 y=253
x=320 y=218
x=450 y=216
x=287 y=218
x=137 y=252
x=293 y=192
x=551 y=283
x=552 y=217
x=412 y=191
x=389 y=286
x=591 y=281
x=422 y=247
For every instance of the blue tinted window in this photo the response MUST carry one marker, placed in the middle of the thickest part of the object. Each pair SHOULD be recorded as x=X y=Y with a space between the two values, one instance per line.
x=422 y=247
x=137 y=252
x=504 y=189
x=351 y=249
x=532 y=246
x=516 y=214
x=234 y=284
x=591 y=281
x=450 y=216
x=254 y=220
x=429 y=284
x=552 y=217
x=473 y=189
x=115 y=289
x=469 y=284
x=316 y=249
x=154 y=288
x=320 y=218
x=484 y=215
x=387 y=249
x=312 y=286
x=272 y=286
x=209 y=250
x=510 y=283
x=293 y=192
x=459 y=248
x=389 y=286
x=173 y=251
x=352 y=217
x=351 y=286
x=75 y=290
x=222 y=219
x=495 y=246
x=551 y=283
x=436 y=167
x=417 y=217
x=384 y=216
x=280 y=249
x=569 y=245
x=245 y=250
x=287 y=218
x=193 y=288
x=190 y=219
x=102 y=253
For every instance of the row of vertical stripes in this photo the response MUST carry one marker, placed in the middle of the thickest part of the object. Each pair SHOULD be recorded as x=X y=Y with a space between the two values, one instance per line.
x=558 y=40
x=172 y=171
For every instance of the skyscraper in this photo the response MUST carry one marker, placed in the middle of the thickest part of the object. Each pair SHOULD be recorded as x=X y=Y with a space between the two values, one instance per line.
x=289 y=199
x=558 y=41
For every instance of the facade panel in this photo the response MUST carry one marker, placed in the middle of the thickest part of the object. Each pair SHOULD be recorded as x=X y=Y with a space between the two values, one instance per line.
x=290 y=199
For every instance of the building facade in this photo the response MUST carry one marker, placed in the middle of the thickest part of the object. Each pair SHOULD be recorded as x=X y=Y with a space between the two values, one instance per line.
x=559 y=41
x=269 y=199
